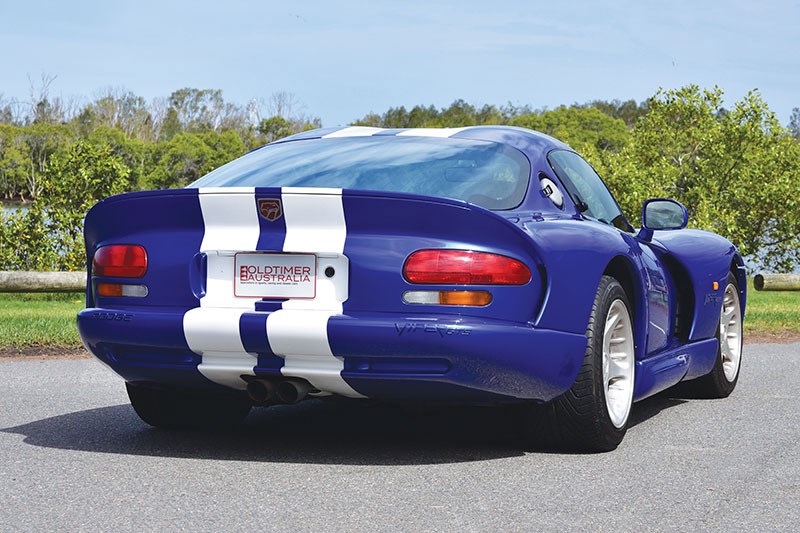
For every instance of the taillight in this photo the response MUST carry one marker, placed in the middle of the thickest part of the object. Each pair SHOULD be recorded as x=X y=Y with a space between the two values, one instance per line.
x=462 y=267
x=118 y=290
x=467 y=298
x=120 y=261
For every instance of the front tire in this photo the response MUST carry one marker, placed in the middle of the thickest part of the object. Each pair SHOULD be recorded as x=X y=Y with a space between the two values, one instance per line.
x=177 y=409
x=593 y=414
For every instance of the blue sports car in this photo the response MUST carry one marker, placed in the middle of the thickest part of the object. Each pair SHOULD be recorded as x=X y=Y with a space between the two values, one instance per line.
x=481 y=265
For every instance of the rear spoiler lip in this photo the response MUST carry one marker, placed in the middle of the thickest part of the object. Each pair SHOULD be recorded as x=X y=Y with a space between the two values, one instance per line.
x=305 y=190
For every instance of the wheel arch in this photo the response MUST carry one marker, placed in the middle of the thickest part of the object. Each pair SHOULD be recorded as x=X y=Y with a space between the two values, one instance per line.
x=625 y=272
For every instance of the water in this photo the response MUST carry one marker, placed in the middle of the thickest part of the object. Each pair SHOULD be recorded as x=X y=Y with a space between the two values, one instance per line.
x=13 y=208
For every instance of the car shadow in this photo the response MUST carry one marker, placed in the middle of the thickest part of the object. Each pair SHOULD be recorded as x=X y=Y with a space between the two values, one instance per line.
x=313 y=432
x=646 y=409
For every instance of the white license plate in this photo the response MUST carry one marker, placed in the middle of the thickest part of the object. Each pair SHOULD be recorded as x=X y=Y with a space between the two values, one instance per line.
x=261 y=275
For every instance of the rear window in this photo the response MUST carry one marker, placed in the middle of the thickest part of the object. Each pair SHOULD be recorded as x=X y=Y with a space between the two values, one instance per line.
x=488 y=174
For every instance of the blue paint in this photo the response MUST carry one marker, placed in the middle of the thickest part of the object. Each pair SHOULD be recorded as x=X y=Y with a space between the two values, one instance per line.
x=527 y=344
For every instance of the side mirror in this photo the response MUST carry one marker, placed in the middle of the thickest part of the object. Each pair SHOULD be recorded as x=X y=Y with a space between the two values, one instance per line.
x=662 y=214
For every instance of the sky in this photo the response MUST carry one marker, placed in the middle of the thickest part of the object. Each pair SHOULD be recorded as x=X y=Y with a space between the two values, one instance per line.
x=346 y=58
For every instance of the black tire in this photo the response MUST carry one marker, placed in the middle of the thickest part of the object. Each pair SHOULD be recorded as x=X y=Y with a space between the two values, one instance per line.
x=716 y=384
x=180 y=409
x=579 y=419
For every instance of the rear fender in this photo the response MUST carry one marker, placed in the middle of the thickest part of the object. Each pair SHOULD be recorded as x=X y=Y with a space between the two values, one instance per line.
x=383 y=229
x=576 y=254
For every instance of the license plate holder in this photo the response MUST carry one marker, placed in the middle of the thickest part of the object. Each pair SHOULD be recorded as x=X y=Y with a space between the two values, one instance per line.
x=275 y=275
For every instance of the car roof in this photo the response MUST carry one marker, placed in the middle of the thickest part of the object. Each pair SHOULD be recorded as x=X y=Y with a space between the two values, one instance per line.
x=532 y=143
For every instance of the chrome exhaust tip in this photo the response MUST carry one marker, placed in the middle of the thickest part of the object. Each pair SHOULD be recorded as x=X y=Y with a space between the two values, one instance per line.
x=292 y=390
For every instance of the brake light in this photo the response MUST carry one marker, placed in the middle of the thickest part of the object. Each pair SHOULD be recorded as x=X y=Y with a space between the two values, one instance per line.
x=463 y=267
x=120 y=261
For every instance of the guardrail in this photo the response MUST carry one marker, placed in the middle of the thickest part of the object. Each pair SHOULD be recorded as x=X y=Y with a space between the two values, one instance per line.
x=777 y=282
x=76 y=282
x=42 y=281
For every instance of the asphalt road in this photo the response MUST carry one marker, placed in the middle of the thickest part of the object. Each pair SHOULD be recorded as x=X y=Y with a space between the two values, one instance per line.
x=74 y=456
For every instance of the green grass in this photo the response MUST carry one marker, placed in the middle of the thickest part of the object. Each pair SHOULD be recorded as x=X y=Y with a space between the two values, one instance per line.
x=49 y=319
x=39 y=320
x=772 y=312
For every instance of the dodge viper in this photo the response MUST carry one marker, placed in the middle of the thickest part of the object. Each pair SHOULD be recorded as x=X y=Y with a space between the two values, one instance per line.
x=479 y=265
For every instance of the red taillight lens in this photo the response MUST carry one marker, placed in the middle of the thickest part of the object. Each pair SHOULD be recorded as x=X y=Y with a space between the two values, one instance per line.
x=462 y=267
x=120 y=261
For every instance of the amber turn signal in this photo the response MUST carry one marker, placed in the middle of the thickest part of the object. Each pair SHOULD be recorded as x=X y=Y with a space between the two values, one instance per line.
x=476 y=298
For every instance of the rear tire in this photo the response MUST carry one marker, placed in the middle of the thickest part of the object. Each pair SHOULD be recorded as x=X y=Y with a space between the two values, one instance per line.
x=178 y=409
x=593 y=414
x=720 y=382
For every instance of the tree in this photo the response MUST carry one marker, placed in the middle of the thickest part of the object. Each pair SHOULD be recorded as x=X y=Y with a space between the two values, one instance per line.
x=225 y=147
x=42 y=141
x=119 y=109
x=629 y=111
x=197 y=109
x=458 y=114
x=737 y=172
x=275 y=128
x=794 y=123
x=7 y=115
x=579 y=127
x=180 y=161
x=49 y=235
x=188 y=156
x=13 y=162
x=372 y=120
x=135 y=153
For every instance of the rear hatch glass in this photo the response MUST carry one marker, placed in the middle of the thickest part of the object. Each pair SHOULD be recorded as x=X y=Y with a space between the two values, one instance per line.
x=487 y=174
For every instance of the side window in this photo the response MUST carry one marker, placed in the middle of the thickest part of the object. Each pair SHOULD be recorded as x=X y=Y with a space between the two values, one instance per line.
x=586 y=188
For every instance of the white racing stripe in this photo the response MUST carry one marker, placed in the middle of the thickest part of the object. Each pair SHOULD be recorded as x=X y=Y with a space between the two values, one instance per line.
x=214 y=334
x=314 y=222
x=299 y=331
x=230 y=218
x=212 y=330
x=301 y=338
x=353 y=131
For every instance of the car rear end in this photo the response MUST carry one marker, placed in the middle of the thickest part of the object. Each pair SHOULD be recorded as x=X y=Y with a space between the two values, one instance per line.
x=357 y=293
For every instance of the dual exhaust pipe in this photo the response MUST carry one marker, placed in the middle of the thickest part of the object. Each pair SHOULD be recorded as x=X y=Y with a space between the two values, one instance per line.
x=266 y=391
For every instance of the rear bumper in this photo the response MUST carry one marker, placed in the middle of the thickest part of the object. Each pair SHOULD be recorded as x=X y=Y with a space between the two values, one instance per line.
x=382 y=356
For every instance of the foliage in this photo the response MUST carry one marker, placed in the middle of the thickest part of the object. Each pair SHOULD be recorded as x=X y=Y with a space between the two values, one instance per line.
x=188 y=156
x=794 y=123
x=459 y=113
x=49 y=235
x=14 y=163
x=578 y=127
x=628 y=111
x=121 y=111
x=737 y=171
